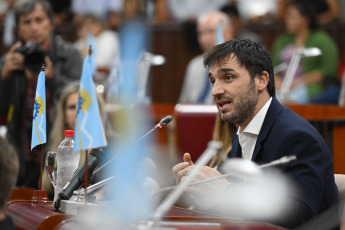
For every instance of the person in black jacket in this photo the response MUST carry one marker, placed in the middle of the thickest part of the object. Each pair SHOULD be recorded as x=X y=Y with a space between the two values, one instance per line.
x=18 y=79
x=241 y=73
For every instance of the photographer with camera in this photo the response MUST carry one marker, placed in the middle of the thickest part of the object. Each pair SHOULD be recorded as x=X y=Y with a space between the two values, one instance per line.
x=19 y=69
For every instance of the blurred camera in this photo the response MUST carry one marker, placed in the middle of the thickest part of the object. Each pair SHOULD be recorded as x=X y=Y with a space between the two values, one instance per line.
x=33 y=56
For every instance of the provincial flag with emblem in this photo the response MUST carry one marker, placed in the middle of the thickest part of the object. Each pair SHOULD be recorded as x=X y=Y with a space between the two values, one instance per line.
x=89 y=132
x=39 y=114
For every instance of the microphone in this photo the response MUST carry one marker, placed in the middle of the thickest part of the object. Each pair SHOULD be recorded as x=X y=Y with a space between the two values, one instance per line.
x=78 y=177
x=280 y=162
x=166 y=120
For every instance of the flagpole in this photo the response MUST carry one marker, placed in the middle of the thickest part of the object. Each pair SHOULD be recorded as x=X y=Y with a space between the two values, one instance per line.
x=86 y=177
x=86 y=166
x=42 y=148
x=79 y=134
x=41 y=170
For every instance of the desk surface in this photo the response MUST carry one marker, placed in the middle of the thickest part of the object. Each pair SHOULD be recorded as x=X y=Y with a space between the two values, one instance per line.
x=40 y=216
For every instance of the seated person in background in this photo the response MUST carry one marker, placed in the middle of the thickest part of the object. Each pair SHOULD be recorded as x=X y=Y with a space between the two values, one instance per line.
x=110 y=12
x=258 y=11
x=316 y=77
x=241 y=73
x=239 y=32
x=34 y=23
x=194 y=88
x=327 y=10
x=8 y=21
x=9 y=166
x=106 y=45
x=182 y=11
x=62 y=12
x=65 y=114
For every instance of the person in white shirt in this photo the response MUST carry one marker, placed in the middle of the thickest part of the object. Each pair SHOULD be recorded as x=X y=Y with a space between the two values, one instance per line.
x=195 y=84
x=106 y=46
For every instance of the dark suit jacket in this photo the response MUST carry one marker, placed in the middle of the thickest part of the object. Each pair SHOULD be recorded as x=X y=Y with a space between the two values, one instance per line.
x=286 y=133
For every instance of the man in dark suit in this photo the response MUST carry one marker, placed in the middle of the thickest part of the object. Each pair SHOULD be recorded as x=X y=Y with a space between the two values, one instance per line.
x=241 y=73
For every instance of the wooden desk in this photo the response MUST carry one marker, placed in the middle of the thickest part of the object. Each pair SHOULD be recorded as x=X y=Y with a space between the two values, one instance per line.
x=29 y=215
x=181 y=218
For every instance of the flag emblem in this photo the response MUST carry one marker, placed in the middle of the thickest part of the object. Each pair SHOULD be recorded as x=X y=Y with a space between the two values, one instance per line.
x=85 y=101
x=38 y=107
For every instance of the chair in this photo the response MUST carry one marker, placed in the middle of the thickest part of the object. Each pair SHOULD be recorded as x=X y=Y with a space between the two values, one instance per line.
x=194 y=128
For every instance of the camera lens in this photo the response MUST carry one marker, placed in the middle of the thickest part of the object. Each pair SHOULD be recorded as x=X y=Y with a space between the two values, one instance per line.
x=34 y=60
x=33 y=56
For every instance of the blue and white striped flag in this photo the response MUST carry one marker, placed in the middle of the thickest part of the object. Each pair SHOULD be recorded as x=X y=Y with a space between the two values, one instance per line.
x=39 y=114
x=89 y=132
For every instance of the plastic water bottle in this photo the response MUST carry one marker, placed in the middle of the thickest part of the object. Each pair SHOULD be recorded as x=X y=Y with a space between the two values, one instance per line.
x=67 y=162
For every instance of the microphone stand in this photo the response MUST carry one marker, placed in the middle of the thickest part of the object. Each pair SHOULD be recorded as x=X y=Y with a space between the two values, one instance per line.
x=290 y=74
x=166 y=120
x=292 y=68
x=212 y=149
x=94 y=187
x=282 y=161
x=159 y=125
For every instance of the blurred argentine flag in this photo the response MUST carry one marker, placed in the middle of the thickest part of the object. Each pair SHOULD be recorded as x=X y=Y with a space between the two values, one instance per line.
x=130 y=198
x=39 y=113
x=219 y=38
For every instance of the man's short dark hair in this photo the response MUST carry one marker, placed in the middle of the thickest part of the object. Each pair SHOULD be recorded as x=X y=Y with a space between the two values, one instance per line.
x=24 y=7
x=251 y=55
x=9 y=166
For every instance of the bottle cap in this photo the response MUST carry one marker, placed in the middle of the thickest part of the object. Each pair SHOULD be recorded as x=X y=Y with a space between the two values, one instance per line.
x=69 y=133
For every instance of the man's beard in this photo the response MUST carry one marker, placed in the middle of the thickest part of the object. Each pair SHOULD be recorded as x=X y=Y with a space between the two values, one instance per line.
x=244 y=108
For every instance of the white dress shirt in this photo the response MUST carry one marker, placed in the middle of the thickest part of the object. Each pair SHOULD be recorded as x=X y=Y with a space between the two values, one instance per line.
x=250 y=134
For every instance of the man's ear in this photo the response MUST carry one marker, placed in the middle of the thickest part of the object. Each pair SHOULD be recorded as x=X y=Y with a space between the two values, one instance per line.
x=262 y=80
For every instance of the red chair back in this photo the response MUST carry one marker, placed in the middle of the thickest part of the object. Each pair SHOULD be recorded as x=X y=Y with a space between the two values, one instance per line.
x=194 y=128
